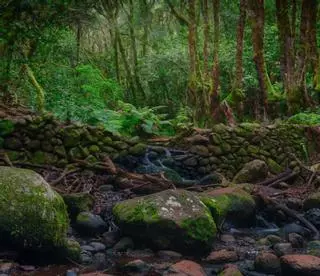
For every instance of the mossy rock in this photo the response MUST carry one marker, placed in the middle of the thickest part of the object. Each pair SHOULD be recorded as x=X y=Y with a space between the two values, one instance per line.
x=40 y=157
x=313 y=201
x=32 y=215
x=13 y=143
x=138 y=149
x=274 y=167
x=252 y=172
x=172 y=219
x=6 y=127
x=72 y=137
x=231 y=203
x=94 y=149
x=1 y=142
x=77 y=203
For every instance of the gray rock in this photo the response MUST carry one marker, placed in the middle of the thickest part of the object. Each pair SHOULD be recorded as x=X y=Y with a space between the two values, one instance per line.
x=168 y=254
x=282 y=249
x=313 y=215
x=124 y=244
x=86 y=258
x=295 y=228
x=98 y=246
x=87 y=248
x=99 y=261
x=296 y=240
x=109 y=239
x=136 y=266
x=90 y=224
x=267 y=263
x=252 y=172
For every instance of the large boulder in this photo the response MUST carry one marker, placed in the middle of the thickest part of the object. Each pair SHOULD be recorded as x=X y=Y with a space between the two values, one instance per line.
x=252 y=172
x=172 y=219
x=32 y=215
x=231 y=203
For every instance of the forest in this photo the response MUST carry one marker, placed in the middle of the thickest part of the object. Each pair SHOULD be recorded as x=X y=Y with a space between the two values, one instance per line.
x=160 y=137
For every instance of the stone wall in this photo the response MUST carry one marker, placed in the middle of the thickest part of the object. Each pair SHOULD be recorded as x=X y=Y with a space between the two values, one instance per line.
x=44 y=140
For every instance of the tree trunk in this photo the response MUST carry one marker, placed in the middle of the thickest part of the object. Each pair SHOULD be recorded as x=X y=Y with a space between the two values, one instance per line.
x=206 y=32
x=256 y=13
x=238 y=84
x=134 y=51
x=192 y=95
x=215 y=69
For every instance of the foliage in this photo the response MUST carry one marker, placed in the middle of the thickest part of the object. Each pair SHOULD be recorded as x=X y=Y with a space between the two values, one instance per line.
x=310 y=119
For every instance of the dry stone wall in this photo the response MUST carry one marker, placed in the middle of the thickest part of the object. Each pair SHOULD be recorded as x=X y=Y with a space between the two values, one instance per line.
x=44 y=140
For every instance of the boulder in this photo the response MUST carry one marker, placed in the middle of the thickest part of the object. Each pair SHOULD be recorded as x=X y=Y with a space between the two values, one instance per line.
x=300 y=265
x=313 y=201
x=252 y=172
x=172 y=219
x=185 y=268
x=32 y=215
x=231 y=203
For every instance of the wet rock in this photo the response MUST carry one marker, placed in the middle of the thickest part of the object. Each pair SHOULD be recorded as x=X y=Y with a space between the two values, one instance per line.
x=230 y=270
x=77 y=203
x=295 y=228
x=136 y=266
x=90 y=224
x=267 y=263
x=124 y=244
x=99 y=261
x=109 y=239
x=282 y=249
x=87 y=248
x=252 y=172
x=25 y=194
x=313 y=215
x=97 y=246
x=300 y=265
x=296 y=240
x=172 y=219
x=313 y=248
x=222 y=256
x=168 y=254
x=6 y=268
x=86 y=258
x=313 y=201
x=185 y=268
x=232 y=204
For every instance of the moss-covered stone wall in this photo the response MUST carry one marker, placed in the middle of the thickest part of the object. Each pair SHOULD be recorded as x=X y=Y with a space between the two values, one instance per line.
x=44 y=140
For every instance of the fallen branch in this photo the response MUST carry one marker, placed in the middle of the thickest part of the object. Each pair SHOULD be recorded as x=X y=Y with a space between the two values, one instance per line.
x=279 y=176
x=63 y=175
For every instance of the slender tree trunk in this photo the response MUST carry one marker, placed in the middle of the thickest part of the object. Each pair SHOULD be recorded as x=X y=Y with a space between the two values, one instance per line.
x=215 y=69
x=256 y=13
x=192 y=95
x=238 y=84
x=134 y=51
x=206 y=32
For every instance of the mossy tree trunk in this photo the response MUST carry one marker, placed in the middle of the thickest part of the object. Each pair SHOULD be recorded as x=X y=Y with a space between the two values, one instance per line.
x=206 y=33
x=256 y=15
x=238 y=83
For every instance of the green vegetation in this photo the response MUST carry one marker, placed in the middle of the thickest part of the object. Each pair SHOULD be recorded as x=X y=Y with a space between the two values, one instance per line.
x=157 y=67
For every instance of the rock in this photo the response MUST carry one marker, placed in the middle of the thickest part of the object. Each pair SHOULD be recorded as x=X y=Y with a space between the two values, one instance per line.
x=167 y=254
x=313 y=215
x=227 y=238
x=230 y=270
x=300 y=265
x=172 y=219
x=295 y=228
x=77 y=203
x=123 y=245
x=72 y=137
x=185 y=268
x=200 y=150
x=294 y=203
x=231 y=203
x=86 y=258
x=282 y=249
x=13 y=143
x=88 y=248
x=6 y=268
x=137 y=266
x=313 y=248
x=296 y=240
x=222 y=256
x=252 y=172
x=71 y=272
x=313 y=201
x=99 y=261
x=95 y=274
x=90 y=224
x=97 y=246
x=138 y=149
x=32 y=215
x=109 y=239
x=106 y=188
x=274 y=167
x=6 y=127
x=267 y=263
x=273 y=239
x=72 y=250
x=197 y=140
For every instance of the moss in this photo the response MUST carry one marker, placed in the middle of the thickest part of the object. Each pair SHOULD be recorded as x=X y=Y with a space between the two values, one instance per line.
x=40 y=157
x=201 y=229
x=71 y=137
x=31 y=214
x=94 y=149
x=72 y=250
x=6 y=127
x=78 y=203
x=274 y=167
x=138 y=149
